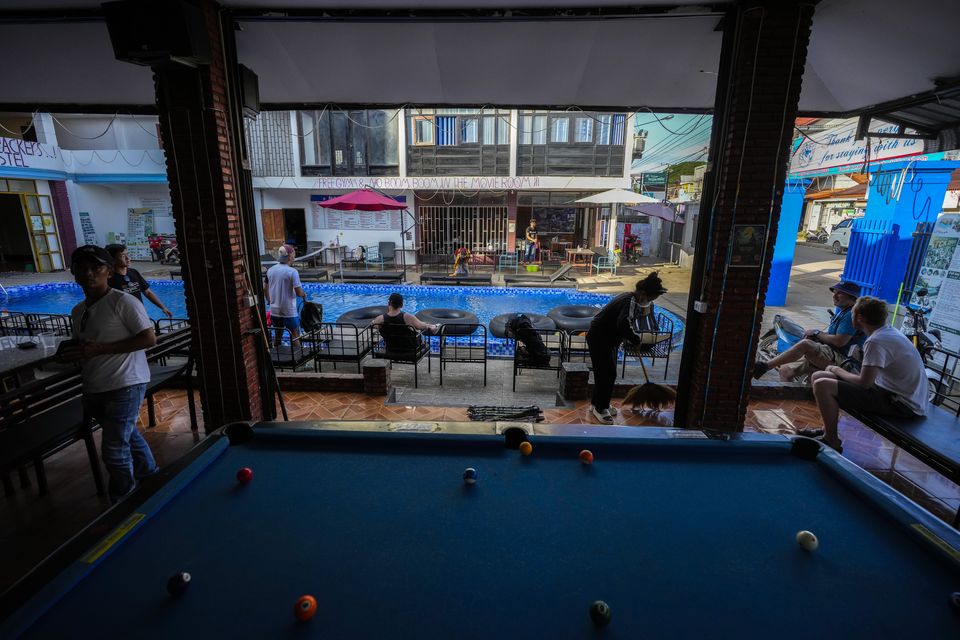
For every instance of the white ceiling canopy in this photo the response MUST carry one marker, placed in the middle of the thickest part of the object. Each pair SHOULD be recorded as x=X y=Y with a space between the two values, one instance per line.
x=862 y=52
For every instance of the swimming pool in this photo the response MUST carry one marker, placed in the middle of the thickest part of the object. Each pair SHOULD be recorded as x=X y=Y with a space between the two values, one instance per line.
x=485 y=302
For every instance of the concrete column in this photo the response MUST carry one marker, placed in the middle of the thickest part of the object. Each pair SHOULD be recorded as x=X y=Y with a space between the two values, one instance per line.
x=791 y=208
x=761 y=68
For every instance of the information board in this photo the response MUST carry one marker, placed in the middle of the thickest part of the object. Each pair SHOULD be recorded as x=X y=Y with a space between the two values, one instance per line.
x=940 y=276
x=86 y=226
x=139 y=226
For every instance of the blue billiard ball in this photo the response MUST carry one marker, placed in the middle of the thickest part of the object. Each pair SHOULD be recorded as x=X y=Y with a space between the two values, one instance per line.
x=470 y=475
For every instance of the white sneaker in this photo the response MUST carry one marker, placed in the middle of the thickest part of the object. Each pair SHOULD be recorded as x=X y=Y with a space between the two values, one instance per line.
x=612 y=410
x=602 y=416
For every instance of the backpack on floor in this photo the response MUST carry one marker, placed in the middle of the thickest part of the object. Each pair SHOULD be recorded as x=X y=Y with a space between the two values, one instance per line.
x=311 y=316
x=530 y=346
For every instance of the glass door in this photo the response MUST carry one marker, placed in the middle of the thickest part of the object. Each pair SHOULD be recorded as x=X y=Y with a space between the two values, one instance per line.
x=42 y=225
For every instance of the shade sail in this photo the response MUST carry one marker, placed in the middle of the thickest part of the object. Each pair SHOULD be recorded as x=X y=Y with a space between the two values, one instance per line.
x=617 y=196
x=660 y=210
x=363 y=200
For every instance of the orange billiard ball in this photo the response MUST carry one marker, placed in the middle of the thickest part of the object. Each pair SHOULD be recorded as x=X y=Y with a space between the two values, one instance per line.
x=526 y=448
x=305 y=608
x=586 y=456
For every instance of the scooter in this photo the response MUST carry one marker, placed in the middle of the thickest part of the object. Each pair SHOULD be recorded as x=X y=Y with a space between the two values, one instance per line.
x=926 y=340
x=820 y=236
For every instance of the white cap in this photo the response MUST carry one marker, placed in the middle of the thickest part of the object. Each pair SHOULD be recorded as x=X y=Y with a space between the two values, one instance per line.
x=283 y=253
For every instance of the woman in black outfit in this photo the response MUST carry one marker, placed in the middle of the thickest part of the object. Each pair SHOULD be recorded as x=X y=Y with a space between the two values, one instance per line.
x=624 y=318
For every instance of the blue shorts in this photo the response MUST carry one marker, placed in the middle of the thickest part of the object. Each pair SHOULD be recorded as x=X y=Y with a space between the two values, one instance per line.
x=277 y=322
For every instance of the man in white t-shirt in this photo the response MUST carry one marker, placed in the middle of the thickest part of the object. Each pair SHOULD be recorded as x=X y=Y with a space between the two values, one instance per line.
x=892 y=380
x=283 y=289
x=111 y=330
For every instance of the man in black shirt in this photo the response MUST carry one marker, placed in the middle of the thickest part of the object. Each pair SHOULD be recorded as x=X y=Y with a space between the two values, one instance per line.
x=622 y=319
x=127 y=279
x=531 y=238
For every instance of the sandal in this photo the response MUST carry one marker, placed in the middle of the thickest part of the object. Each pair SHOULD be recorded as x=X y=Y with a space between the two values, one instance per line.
x=838 y=448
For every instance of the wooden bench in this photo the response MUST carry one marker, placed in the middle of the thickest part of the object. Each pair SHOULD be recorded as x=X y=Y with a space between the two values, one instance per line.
x=935 y=439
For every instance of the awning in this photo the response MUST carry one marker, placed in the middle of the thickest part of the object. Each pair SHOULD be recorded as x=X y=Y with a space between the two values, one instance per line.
x=666 y=212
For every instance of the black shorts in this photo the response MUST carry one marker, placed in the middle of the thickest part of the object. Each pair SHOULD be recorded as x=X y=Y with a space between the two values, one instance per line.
x=873 y=400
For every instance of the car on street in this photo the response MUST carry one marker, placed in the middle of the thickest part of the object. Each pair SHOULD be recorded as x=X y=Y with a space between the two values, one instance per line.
x=839 y=238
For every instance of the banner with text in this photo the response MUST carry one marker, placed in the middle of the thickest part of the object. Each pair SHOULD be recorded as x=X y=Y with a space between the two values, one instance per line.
x=940 y=276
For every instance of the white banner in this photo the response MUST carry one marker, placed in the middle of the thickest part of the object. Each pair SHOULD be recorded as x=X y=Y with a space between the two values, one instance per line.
x=830 y=150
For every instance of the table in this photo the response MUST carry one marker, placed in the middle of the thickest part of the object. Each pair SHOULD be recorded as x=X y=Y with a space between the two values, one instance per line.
x=337 y=253
x=17 y=365
x=683 y=535
x=580 y=257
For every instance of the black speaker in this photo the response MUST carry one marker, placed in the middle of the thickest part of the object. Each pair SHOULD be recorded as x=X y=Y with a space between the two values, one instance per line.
x=250 y=92
x=156 y=33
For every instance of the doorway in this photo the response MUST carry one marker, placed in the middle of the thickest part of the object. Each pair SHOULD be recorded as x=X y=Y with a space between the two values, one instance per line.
x=295 y=227
x=15 y=251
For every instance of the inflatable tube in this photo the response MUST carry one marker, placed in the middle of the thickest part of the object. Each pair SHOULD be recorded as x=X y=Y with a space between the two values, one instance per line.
x=361 y=317
x=498 y=325
x=451 y=318
x=573 y=317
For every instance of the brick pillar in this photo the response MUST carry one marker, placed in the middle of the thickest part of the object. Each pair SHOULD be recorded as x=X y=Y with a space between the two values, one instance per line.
x=64 y=215
x=203 y=166
x=762 y=64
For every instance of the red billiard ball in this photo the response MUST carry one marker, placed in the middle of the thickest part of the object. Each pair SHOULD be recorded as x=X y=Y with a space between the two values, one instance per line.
x=245 y=475
x=586 y=456
x=305 y=608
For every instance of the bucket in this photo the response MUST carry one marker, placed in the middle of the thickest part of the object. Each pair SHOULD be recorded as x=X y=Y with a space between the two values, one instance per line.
x=533 y=268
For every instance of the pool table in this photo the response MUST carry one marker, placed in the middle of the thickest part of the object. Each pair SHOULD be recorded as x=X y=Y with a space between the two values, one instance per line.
x=684 y=534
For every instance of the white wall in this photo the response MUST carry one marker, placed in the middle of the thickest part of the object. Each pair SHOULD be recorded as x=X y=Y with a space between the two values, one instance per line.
x=108 y=204
x=106 y=132
x=300 y=199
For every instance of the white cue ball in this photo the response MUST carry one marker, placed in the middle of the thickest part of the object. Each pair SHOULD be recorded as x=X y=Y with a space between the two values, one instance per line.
x=807 y=540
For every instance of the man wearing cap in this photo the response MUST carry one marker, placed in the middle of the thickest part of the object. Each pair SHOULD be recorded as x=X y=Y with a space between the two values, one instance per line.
x=622 y=319
x=111 y=330
x=820 y=349
x=283 y=289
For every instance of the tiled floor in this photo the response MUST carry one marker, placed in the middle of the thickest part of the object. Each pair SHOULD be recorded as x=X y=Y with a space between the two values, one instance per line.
x=31 y=527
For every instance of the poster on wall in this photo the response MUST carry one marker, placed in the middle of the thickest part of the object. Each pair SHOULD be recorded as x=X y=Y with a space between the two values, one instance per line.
x=940 y=276
x=161 y=207
x=86 y=226
x=139 y=226
x=323 y=218
x=747 y=247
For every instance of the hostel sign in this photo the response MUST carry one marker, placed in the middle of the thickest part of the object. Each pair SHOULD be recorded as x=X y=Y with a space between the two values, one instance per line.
x=837 y=150
x=26 y=154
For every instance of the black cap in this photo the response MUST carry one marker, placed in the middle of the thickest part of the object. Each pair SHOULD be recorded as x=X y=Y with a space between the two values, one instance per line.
x=91 y=252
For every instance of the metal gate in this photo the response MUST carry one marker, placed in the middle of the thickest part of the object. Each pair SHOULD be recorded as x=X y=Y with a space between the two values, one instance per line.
x=918 y=251
x=447 y=227
x=870 y=242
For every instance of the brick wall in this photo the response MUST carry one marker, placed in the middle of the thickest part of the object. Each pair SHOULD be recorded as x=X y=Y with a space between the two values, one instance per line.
x=203 y=168
x=64 y=215
x=757 y=126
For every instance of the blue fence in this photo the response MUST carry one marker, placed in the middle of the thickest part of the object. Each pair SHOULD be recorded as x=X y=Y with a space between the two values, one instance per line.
x=870 y=242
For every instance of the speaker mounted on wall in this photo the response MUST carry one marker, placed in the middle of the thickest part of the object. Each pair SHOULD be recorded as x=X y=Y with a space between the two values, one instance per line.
x=157 y=33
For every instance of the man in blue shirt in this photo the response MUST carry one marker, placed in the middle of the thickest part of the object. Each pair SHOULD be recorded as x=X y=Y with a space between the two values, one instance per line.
x=820 y=349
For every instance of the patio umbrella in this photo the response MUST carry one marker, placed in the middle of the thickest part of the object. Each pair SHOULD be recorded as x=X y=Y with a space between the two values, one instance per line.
x=363 y=200
x=618 y=196
x=660 y=210
x=367 y=199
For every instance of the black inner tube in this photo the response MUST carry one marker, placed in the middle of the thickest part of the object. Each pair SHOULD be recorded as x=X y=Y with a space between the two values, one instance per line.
x=361 y=317
x=455 y=321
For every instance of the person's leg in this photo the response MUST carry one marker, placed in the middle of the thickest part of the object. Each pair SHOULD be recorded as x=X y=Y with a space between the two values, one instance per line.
x=604 y=372
x=109 y=409
x=277 y=324
x=293 y=326
x=825 y=391
x=143 y=462
x=804 y=349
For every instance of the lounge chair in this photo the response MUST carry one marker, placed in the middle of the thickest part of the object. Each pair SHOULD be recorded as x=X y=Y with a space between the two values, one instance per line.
x=382 y=277
x=401 y=344
x=561 y=279
x=443 y=278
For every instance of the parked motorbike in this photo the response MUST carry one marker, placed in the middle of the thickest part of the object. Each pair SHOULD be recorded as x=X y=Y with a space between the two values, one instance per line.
x=916 y=327
x=819 y=236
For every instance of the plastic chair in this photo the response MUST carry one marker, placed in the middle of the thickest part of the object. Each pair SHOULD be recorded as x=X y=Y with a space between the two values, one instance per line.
x=508 y=261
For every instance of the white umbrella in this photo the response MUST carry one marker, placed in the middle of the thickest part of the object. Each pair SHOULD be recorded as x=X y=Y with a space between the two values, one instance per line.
x=618 y=196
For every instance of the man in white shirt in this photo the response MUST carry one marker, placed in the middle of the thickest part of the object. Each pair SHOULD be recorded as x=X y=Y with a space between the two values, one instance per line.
x=283 y=289
x=892 y=380
x=111 y=330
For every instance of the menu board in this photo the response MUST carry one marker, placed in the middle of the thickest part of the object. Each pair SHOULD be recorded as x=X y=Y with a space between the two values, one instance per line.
x=139 y=226
x=940 y=276
x=86 y=225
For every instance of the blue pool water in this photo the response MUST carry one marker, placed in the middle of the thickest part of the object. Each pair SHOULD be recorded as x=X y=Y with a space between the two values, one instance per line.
x=485 y=302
